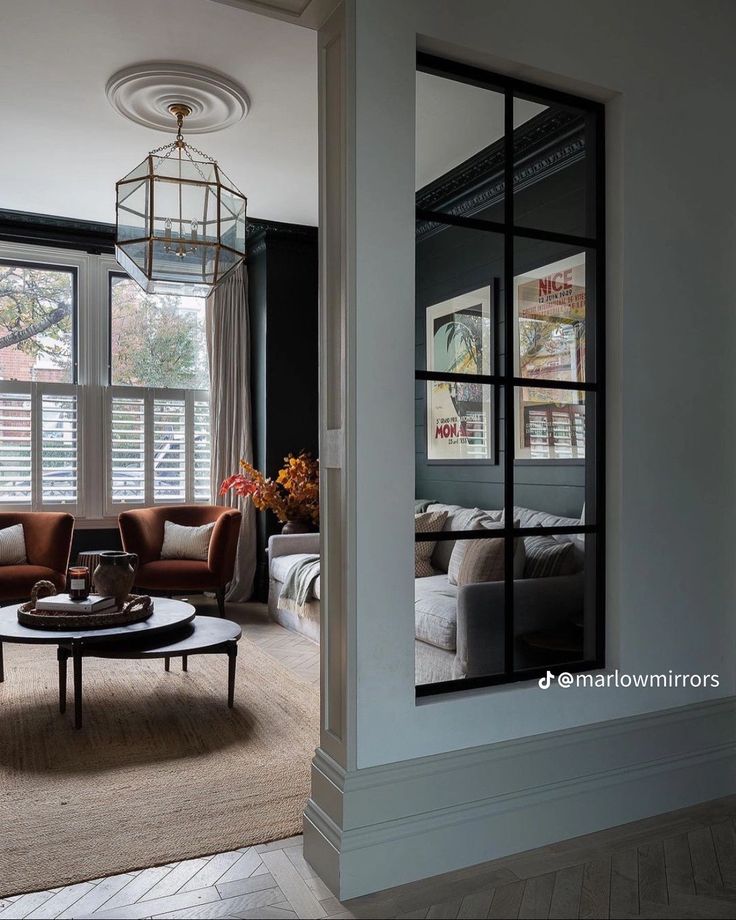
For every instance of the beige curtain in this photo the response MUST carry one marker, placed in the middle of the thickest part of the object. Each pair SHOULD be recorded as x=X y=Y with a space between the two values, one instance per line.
x=228 y=350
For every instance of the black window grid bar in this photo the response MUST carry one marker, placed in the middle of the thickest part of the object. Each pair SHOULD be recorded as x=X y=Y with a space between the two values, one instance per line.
x=512 y=88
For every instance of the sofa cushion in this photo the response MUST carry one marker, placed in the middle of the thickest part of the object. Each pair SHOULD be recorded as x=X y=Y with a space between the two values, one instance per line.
x=435 y=611
x=458 y=518
x=428 y=522
x=546 y=557
x=172 y=574
x=481 y=521
x=16 y=581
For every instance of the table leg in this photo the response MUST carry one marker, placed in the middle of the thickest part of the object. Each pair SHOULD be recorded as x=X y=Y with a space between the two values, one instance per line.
x=2 y=664
x=232 y=654
x=184 y=662
x=77 y=662
x=167 y=663
x=62 y=655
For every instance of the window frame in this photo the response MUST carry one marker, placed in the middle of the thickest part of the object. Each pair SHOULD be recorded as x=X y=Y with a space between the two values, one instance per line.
x=94 y=508
x=506 y=384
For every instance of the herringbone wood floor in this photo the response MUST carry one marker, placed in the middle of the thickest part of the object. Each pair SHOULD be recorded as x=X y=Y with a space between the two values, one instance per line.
x=680 y=865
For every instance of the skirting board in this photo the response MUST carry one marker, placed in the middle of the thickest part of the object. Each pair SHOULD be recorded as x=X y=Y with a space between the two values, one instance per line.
x=371 y=829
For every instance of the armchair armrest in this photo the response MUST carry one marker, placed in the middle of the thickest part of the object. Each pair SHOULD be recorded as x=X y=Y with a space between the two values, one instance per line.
x=287 y=544
x=224 y=545
x=48 y=537
x=539 y=603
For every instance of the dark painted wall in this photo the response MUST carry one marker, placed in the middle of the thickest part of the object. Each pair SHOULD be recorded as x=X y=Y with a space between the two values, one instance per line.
x=456 y=260
x=282 y=290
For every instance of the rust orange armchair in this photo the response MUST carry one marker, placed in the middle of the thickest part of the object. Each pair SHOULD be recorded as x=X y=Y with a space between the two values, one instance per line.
x=48 y=538
x=142 y=532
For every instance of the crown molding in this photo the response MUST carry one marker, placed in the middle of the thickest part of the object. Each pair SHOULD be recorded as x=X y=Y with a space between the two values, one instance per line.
x=96 y=237
x=544 y=145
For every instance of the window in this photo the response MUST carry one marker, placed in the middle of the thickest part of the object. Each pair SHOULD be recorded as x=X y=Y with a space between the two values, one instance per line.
x=38 y=398
x=158 y=405
x=510 y=386
x=103 y=389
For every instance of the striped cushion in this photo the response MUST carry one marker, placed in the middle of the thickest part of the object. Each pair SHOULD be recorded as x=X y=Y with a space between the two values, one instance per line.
x=428 y=522
x=12 y=545
x=546 y=557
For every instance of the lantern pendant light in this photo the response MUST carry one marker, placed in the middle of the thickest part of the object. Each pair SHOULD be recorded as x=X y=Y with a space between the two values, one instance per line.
x=180 y=222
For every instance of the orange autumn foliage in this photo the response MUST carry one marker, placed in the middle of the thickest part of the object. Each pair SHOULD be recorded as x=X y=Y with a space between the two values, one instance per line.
x=292 y=496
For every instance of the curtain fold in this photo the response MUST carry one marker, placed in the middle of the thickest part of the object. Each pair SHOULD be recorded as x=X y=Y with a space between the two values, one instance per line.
x=228 y=351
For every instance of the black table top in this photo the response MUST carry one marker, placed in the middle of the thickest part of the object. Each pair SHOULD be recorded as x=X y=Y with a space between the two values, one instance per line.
x=167 y=614
x=201 y=634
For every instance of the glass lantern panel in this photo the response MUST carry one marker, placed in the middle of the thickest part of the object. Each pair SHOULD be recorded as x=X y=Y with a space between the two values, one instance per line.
x=133 y=257
x=181 y=211
x=140 y=172
x=192 y=171
x=232 y=220
x=183 y=261
x=227 y=183
x=132 y=210
x=228 y=261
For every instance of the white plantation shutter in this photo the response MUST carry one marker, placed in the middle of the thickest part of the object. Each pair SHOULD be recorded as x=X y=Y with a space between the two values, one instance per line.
x=39 y=446
x=169 y=450
x=59 y=448
x=127 y=449
x=202 y=451
x=16 y=473
x=159 y=447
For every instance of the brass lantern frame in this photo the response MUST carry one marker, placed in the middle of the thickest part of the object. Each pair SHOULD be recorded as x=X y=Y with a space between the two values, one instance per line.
x=148 y=276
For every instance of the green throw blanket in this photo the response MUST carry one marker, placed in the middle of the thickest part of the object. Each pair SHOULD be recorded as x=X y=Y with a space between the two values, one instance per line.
x=298 y=587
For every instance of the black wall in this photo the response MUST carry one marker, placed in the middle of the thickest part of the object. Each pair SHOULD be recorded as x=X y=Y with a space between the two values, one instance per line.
x=453 y=260
x=282 y=291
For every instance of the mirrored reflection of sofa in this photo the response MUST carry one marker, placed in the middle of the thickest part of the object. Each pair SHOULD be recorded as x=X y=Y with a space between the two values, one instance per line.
x=459 y=632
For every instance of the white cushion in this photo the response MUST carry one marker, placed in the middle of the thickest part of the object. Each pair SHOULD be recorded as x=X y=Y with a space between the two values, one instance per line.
x=186 y=542
x=13 y=545
x=435 y=611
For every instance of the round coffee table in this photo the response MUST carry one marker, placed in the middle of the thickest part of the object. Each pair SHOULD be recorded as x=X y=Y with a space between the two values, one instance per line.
x=167 y=615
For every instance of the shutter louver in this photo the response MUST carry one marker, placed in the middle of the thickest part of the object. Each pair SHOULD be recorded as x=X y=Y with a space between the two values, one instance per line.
x=169 y=450
x=128 y=428
x=59 y=470
x=202 y=452
x=16 y=461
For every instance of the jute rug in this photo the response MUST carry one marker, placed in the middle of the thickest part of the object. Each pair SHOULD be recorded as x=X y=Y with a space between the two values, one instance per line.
x=162 y=770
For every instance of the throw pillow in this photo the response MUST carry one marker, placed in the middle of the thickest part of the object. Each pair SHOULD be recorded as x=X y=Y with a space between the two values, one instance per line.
x=546 y=557
x=12 y=545
x=483 y=561
x=427 y=522
x=459 y=550
x=186 y=542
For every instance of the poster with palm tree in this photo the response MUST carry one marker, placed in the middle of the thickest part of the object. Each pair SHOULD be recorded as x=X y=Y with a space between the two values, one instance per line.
x=459 y=340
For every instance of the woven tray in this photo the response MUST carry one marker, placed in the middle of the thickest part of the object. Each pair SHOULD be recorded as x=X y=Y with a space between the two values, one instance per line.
x=137 y=607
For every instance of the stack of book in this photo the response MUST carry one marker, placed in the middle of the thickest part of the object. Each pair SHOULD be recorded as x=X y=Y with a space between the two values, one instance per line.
x=62 y=603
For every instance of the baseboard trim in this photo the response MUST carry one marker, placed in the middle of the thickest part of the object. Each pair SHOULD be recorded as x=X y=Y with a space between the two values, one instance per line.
x=371 y=829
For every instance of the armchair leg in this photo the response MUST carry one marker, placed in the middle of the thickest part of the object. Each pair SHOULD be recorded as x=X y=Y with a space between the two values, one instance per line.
x=220 y=595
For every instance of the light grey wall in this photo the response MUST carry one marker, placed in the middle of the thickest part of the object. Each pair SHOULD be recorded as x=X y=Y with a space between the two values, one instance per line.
x=667 y=70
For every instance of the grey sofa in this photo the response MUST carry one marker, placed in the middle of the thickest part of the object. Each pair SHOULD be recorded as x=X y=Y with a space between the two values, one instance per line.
x=459 y=632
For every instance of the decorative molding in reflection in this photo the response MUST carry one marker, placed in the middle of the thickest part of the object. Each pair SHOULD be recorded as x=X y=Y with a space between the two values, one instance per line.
x=544 y=145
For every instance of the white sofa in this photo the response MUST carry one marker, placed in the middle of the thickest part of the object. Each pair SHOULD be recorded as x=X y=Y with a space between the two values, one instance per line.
x=459 y=632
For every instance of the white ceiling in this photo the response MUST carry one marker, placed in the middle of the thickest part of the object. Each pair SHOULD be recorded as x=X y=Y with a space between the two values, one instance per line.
x=456 y=120
x=62 y=147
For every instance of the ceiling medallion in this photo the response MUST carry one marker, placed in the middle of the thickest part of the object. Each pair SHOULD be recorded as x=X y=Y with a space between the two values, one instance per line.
x=144 y=93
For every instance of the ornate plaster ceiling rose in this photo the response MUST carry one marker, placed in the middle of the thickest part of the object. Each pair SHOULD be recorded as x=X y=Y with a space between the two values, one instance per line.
x=144 y=93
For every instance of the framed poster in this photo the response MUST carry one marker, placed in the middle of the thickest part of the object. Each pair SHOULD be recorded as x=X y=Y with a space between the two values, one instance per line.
x=549 y=312
x=460 y=340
